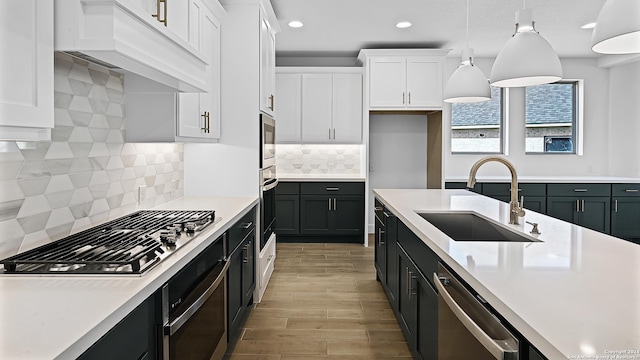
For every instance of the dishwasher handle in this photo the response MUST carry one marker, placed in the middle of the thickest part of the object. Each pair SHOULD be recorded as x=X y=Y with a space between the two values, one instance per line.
x=490 y=344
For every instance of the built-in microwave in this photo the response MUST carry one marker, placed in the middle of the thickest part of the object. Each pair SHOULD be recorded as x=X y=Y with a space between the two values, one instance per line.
x=267 y=141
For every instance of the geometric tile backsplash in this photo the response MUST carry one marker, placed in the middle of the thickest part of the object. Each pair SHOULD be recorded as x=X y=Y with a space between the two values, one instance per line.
x=86 y=174
x=336 y=159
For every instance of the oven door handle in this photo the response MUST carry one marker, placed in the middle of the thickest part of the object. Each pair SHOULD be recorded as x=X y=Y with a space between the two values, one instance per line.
x=176 y=324
x=268 y=185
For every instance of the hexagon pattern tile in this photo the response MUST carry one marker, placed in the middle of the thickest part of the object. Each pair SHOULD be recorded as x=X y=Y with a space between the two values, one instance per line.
x=86 y=174
x=318 y=159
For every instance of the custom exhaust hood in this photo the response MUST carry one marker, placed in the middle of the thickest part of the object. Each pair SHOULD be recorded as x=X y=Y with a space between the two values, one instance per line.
x=120 y=35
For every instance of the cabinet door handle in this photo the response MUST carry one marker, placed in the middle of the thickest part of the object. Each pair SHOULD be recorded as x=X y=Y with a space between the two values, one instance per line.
x=403 y=98
x=380 y=233
x=409 y=97
x=334 y=134
x=577 y=205
x=615 y=205
x=329 y=133
x=334 y=204
x=329 y=203
x=272 y=100
x=582 y=205
x=407 y=284
x=204 y=121
x=157 y=16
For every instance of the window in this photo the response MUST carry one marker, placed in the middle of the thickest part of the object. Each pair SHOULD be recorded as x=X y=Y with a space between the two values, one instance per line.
x=552 y=117
x=477 y=127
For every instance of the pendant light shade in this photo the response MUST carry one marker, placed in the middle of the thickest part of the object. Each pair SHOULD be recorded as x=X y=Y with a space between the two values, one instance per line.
x=467 y=84
x=617 y=29
x=527 y=58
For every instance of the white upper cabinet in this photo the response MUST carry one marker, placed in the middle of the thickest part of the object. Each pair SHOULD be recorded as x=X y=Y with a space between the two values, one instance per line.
x=159 y=114
x=267 y=66
x=319 y=105
x=26 y=69
x=289 y=93
x=390 y=72
x=346 y=119
x=204 y=123
x=404 y=79
x=317 y=98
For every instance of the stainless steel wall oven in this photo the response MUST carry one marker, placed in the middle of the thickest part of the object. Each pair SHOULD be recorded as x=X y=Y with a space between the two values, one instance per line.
x=267 y=141
x=194 y=308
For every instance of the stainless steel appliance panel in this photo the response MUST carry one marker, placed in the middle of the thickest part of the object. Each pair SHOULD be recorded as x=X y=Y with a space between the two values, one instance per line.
x=267 y=141
x=466 y=328
x=194 y=309
x=268 y=183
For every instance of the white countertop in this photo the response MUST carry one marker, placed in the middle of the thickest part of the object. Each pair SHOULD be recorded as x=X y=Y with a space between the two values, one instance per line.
x=576 y=293
x=549 y=179
x=59 y=317
x=321 y=177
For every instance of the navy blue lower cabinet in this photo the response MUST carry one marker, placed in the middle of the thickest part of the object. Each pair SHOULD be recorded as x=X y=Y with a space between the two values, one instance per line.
x=427 y=331
x=240 y=284
x=625 y=218
x=417 y=309
x=391 y=285
x=134 y=337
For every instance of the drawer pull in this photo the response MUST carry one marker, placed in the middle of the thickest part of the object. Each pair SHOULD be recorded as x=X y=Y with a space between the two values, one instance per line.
x=333 y=189
x=631 y=190
x=580 y=190
x=518 y=189
x=377 y=208
x=247 y=225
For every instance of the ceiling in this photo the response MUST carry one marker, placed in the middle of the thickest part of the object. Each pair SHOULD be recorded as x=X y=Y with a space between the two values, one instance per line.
x=343 y=27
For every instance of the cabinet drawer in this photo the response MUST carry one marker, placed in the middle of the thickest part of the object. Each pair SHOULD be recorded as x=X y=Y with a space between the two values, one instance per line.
x=240 y=230
x=505 y=189
x=578 y=190
x=332 y=188
x=625 y=190
x=288 y=188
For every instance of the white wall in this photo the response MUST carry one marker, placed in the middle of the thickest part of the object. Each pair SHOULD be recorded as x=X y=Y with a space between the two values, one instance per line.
x=624 y=120
x=595 y=160
x=397 y=153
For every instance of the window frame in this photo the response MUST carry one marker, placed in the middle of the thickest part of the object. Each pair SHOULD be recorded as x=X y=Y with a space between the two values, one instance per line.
x=504 y=113
x=577 y=131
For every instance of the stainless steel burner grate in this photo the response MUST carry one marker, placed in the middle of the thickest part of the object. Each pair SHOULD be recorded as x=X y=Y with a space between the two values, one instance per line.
x=127 y=245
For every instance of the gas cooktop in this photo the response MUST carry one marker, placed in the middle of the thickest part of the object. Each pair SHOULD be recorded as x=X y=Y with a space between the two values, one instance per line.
x=131 y=244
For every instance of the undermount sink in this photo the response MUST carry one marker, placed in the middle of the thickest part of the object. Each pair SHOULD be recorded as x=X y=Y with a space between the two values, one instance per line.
x=468 y=226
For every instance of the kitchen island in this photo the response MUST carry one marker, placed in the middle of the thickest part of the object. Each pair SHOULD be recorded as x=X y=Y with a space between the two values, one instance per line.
x=572 y=294
x=59 y=317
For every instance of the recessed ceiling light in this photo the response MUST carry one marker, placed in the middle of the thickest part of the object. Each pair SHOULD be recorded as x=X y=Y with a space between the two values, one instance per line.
x=296 y=24
x=403 y=24
x=590 y=25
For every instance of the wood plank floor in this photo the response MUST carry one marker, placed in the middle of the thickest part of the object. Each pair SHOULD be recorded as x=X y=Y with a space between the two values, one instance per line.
x=323 y=302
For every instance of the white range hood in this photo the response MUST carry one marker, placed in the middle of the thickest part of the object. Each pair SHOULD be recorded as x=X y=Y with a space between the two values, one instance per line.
x=119 y=34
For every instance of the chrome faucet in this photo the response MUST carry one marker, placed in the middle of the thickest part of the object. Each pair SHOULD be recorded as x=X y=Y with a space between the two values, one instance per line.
x=515 y=207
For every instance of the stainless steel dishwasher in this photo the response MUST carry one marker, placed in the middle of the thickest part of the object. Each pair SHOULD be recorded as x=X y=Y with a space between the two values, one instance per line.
x=466 y=328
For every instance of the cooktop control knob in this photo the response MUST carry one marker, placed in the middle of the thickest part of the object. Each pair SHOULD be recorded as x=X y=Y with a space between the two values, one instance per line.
x=190 y=227
x=171 y=240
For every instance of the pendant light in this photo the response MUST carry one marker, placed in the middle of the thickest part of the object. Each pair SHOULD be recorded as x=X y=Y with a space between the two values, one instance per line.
x=617 y=29
x=527 y=58
x=467 y=84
